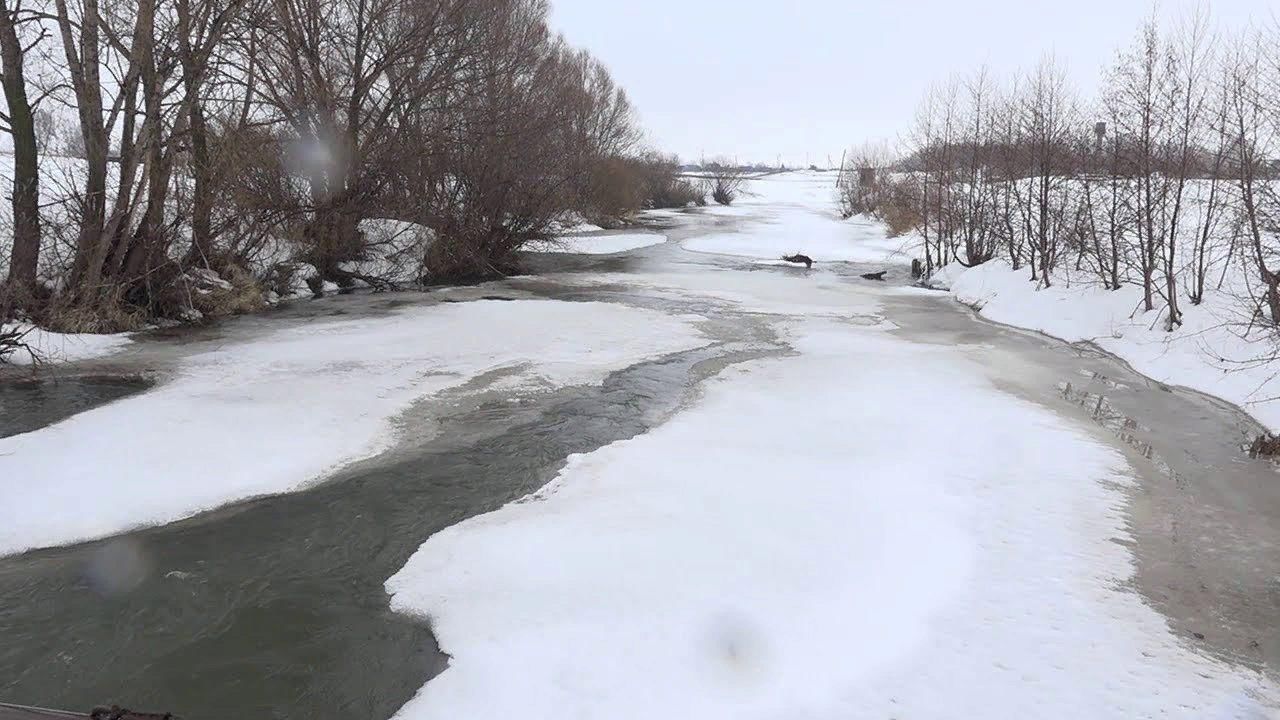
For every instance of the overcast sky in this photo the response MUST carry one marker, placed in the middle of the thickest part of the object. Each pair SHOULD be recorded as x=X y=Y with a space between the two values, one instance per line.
x=807 y=78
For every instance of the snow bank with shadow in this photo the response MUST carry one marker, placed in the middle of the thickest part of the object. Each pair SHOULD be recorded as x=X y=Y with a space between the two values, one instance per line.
x=597 y=244
x=782 y=549
x=282 y=411
x=64 y=347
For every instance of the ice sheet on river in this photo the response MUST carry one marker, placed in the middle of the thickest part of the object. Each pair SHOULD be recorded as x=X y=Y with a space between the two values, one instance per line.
x=281 y=411
x=786 y=549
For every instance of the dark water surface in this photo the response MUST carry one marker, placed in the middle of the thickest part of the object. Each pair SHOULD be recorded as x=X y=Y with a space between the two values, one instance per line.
x=28 y=404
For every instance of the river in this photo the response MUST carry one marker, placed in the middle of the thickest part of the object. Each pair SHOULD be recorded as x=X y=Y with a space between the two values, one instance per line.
x=275 y=607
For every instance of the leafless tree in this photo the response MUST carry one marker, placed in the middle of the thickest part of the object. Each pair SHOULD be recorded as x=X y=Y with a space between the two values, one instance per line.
x=725 y=180
x=1050 y=122
x=1252 y=119
x=19 y=121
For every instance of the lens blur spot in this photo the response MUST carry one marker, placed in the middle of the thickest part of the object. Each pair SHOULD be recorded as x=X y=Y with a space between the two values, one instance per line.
x=737 y=648
x=117 y=567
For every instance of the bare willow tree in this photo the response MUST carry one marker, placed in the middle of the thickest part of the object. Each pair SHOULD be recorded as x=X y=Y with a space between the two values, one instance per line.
x=339 y=75
x=498 y=177
x=922 y=144
x=222 y=139
x=724 y=180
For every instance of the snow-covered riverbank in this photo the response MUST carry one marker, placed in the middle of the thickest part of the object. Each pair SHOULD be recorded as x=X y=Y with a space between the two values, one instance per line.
x=52 y=347
x=1215 y=351
x=1208 y=352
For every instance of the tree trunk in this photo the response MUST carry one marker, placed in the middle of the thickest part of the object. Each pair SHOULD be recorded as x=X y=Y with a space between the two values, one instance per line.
x=86 y=83
x=25 y=255
x=201 y=166
x=147 y=248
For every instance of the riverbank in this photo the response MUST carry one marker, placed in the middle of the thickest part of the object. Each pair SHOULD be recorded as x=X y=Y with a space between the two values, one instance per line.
x=1214 y=351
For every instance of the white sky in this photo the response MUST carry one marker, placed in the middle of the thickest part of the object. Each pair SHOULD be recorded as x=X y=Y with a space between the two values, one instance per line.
x=807 y=78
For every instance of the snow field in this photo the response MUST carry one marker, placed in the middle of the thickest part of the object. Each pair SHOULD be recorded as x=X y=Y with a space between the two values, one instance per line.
x=781 y=550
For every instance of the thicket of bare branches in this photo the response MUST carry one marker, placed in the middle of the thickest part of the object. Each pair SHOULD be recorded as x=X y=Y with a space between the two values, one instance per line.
x=1169 y=176
x=185 y=143
x=12 y=340
x=724 y=180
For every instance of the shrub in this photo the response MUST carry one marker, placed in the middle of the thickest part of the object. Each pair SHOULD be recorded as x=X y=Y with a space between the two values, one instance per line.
x=726 y=182
x=676 y=193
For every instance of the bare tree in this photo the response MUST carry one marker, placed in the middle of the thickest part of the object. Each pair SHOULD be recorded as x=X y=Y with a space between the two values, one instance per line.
x=1251 y=117
x=725 y=180
x=1050 y=121
x=19 y=120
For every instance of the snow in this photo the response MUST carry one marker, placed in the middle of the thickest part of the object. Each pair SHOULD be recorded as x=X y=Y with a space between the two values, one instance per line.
x=1189 y=356
x=394 y=251
x=573 y=223
x=65 y=347
x=282 y=411
x=779 y=550
x=597 y=244
x=795 y=213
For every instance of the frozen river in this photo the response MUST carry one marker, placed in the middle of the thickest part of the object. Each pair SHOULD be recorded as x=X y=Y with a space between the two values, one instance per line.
x=758 y=491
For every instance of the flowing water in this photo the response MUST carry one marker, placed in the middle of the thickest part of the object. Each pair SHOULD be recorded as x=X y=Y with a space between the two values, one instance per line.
x=275 y=607
x=31 y=403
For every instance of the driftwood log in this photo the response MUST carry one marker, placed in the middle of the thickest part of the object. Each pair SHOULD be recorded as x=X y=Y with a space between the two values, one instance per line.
x=875 y=275
x=798 y=258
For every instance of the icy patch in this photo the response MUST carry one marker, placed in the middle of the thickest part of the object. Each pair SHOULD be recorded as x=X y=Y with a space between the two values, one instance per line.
x=65 y=347
x=783 y=549
x=281 y=411
x=597 y=244
x=813 y=293
x=779 y=263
